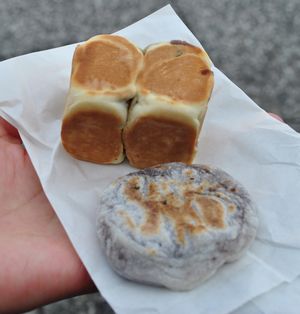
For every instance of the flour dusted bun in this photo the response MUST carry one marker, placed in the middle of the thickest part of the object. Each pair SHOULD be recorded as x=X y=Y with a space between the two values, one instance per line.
x=174 y=225
x=166 y=116
x=104 y=72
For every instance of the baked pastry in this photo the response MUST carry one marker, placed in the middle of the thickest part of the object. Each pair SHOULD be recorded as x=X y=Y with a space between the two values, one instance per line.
x=104 y=72
x=166 y=116
x=174 y=225
x=170 y=86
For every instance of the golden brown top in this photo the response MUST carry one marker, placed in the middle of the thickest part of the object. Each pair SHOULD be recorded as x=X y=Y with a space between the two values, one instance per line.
x=106 y=63
x=161 y=139
x=161 y=52
x=179 y=71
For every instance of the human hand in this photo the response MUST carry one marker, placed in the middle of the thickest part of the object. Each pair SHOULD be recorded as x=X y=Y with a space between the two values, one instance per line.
x=276 y=116
x=38 y=264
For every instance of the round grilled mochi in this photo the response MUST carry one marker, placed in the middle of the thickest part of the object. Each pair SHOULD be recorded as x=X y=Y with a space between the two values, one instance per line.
x=174 y=225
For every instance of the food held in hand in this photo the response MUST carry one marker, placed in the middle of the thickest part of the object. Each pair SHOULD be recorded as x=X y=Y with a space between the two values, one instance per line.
x=166 y=116
x=174 y=225
x=104 y=71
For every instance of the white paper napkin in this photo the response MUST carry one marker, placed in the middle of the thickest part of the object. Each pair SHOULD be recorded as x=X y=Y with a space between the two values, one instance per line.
x=237 y=136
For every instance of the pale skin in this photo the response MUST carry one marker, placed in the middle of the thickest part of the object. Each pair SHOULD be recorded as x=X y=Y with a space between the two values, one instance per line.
x=38 y=264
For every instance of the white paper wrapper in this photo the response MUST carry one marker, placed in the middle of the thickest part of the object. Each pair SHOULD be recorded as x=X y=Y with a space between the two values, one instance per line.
x=238 y=136
x=283 y=299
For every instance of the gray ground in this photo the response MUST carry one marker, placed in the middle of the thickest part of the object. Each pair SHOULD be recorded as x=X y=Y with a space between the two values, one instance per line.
x=255 y=42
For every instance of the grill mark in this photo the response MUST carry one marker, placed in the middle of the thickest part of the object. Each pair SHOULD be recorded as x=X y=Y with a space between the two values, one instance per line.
x=127 y=220
x=181 y=213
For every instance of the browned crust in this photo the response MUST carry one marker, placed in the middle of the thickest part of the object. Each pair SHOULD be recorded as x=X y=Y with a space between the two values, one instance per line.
x=153 y=140
x=181 y=42
x=92 y=135
x=177 y=70
x=181 y=213
x=170 y=51
x=107 y=63
x=184 y=79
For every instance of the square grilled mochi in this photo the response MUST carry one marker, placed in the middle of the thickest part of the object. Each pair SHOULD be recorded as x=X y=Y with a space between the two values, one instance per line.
x=165 y=118
x=104 y=72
